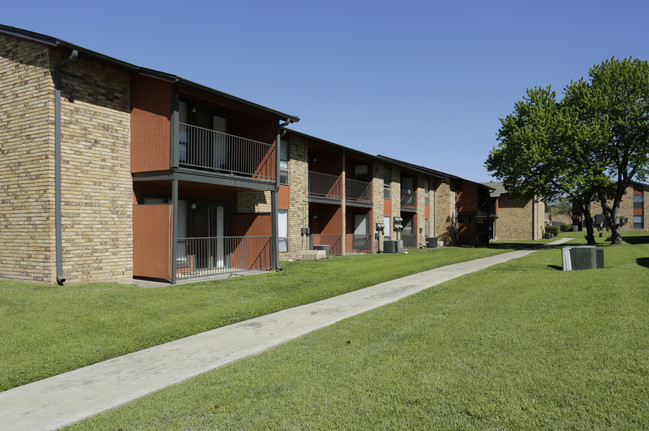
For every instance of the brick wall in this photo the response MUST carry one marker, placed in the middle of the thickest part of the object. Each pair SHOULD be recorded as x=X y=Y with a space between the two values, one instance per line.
x=27 y=235
x=515 y=219
x=421 y=210
x=97 y=189
x=445 y=217
x=378 y=203
x=298 y=212
x=253 y=202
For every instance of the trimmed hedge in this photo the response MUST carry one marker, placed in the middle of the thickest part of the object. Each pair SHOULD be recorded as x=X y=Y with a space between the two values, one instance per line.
x=552 y=229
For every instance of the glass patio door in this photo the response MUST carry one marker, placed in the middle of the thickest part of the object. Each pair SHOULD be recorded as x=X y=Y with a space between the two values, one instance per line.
x=208 y=229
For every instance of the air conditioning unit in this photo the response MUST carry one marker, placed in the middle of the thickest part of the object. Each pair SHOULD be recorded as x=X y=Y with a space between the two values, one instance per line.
x=393 y=246
x=322 y=247
x=431 y=242
x=582 y=257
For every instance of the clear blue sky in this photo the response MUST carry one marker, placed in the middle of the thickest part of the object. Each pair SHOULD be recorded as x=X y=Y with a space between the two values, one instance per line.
x=421 y=81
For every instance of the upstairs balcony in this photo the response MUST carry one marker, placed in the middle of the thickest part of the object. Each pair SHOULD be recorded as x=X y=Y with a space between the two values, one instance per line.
x=408 y=199
x=206 y=149
x=359 y=191
x=325 y=186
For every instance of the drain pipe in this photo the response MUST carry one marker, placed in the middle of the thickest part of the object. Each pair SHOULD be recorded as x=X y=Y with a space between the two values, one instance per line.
x=60 y=279
x=273 y=197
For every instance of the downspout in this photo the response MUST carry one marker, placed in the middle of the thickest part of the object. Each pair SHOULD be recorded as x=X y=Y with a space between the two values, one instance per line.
x=60 y=279
x=273 y=199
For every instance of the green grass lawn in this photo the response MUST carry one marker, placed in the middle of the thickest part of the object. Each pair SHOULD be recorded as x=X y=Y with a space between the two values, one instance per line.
x=521 y=345
x=47 y=330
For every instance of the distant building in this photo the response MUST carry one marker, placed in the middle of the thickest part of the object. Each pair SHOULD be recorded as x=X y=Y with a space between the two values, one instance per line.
x=515 y=218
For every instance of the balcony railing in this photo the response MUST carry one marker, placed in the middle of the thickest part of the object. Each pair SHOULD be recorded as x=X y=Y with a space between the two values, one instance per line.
x=335 y=242
x=409 y=240
x=325 y=185
x=356 y=190
x=220 y=152
x=408 y=200
x=201 y=257
x=359 y=243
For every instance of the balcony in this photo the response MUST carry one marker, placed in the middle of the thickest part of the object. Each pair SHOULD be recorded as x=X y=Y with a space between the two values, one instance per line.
x=408 y=199
x=206 y=149
x=360 y=191
x=325 y=185
x=409 y=240
x=201 y=257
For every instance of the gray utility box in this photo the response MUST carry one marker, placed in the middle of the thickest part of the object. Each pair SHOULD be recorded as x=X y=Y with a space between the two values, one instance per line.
x=392 y=246
x=582 y=257
x=322 y=247
x=431 y=242
x=548 y=235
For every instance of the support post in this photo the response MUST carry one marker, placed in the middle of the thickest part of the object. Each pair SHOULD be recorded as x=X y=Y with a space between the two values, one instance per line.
x=174 y=227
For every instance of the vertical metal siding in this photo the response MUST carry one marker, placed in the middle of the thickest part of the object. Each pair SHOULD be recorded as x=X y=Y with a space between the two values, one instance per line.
x=150 y=124
x=152 y=241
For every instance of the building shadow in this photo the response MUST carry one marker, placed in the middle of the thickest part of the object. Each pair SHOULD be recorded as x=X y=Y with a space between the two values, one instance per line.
x=557 y=267
x=644 y=239
x=643 y=261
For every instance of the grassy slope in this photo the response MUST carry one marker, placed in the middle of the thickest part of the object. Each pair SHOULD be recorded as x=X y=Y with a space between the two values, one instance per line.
x=521 y=345
x=47 y=330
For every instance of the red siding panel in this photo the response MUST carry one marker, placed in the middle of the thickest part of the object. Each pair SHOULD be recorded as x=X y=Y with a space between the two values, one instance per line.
x=152 y=241
x=150 y=124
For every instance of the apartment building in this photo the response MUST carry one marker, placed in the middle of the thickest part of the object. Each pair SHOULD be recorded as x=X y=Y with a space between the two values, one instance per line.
x=112 y=171
x=634 y=208
x=514 y=218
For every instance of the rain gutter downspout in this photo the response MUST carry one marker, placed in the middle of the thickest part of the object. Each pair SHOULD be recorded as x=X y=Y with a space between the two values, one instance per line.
x=273 y=199
x=60 y=279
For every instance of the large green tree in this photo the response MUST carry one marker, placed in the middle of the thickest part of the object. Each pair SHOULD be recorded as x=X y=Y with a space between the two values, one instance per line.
x=590 y=146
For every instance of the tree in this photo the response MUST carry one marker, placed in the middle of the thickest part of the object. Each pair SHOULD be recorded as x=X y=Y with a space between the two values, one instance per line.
x=589 y=146
x=537 y=156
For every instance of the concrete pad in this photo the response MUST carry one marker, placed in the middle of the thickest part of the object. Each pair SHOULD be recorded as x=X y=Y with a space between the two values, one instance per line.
x=71 y=397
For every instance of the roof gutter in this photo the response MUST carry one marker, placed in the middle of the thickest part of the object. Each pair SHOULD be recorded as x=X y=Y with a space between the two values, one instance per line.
x=60 y=279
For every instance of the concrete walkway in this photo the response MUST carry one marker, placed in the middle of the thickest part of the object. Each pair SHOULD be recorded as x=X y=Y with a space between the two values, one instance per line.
x=71 y=397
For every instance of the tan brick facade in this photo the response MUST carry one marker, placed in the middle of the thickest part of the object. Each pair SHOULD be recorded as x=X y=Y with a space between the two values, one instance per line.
x=27 y=235
x=253 y=202
x=520 y=219
x=97 y=189
x=626 y=209
x=445 y=214
x=378 y=202
x=298 y=213
x=421 y=210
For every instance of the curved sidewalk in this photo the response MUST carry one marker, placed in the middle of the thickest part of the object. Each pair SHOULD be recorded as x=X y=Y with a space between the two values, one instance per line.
x=71 y=397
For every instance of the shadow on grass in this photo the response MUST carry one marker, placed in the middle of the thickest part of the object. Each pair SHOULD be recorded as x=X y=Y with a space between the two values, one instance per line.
x=644 y=239
x=512 y=245
x=643 y=261
x=557 y=267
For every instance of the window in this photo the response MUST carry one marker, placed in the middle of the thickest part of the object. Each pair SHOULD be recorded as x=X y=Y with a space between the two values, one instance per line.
x=638 y=222
x=387 y=230
x=283 y=162
x=638 y=201
x=387 y=179
x=282 y=226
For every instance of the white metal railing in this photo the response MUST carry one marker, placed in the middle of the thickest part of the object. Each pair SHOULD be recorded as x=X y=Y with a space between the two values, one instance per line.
x=200 y=257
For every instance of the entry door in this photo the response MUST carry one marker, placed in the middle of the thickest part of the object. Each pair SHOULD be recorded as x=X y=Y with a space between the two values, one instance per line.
x=208 y=231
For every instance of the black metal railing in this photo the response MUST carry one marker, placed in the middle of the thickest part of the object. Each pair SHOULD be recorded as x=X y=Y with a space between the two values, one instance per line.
x=408 y=199
x=207 y=149
x=360 y=243
x=356 y=190
x=200 y=257
x=325 y=185
x=409 y=240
